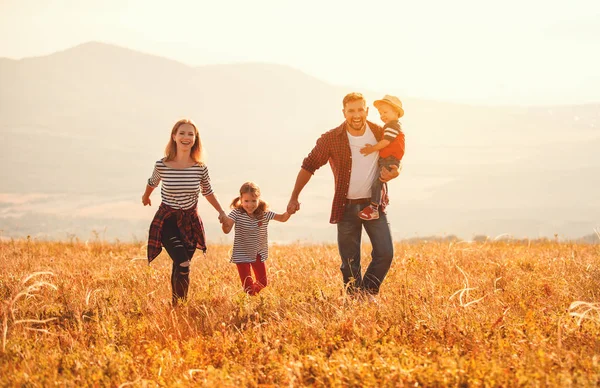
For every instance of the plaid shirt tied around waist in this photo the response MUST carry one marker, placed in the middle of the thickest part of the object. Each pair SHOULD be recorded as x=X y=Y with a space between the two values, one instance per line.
x=189 y=224
x=333 y=147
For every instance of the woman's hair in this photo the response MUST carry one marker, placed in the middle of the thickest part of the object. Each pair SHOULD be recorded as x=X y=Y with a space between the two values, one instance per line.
x=196 y=152
x=253 y=189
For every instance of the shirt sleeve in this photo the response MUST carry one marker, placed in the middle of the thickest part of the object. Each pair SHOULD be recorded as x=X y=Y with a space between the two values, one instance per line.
x=269 y=215
x=233 y=215
x=318 y=156
x=154 y=180
x=205 y=182
x=391 y=131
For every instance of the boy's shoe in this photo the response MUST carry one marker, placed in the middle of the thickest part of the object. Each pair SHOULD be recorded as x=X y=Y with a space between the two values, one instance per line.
x=368 y=213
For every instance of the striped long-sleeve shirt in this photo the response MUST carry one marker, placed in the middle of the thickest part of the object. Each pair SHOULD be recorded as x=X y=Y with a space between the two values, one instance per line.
x=181 y=186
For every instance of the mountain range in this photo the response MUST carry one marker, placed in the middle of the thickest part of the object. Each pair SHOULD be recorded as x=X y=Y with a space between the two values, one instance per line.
x=82 y=128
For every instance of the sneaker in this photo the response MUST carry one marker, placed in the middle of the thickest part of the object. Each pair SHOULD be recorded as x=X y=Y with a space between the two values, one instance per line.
x=368 y=213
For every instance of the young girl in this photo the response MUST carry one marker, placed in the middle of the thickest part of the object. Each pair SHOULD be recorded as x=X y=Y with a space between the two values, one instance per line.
x=176 y=225
x=251 y=217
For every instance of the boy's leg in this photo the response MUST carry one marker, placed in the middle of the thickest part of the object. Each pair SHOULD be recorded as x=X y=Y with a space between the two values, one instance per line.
x=376 y=192
x=260 y=273
x=383 y=163
x=371 y=211
x=246 y=277
x=181 y=257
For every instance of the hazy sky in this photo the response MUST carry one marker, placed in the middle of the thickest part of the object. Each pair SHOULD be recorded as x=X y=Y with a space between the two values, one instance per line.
x=477 y=51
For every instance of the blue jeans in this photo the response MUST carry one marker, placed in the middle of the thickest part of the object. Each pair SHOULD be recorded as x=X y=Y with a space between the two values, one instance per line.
x=377 y=184
x=349 y=236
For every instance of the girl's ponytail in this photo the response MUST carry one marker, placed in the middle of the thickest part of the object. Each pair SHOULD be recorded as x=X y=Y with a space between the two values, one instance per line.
x=236 y=203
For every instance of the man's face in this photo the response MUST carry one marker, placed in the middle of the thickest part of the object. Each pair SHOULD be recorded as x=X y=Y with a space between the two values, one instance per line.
x=356 y=113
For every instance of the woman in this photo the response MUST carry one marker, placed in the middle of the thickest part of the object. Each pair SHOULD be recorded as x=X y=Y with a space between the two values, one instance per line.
x=176 y=225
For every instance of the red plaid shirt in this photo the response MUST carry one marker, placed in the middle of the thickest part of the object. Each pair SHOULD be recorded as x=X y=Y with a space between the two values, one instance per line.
x=189 y=224
x=333 y=147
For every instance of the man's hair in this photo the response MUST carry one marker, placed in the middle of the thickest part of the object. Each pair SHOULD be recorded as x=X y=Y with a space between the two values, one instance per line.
x=351 y=97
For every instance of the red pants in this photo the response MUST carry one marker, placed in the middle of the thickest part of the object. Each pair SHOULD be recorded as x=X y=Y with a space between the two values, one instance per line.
x=260 y=273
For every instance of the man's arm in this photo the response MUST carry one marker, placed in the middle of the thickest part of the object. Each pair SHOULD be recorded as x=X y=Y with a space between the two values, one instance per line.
x=301 y=181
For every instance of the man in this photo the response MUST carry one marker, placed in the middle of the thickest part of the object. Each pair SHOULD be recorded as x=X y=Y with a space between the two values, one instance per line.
x=353 y=175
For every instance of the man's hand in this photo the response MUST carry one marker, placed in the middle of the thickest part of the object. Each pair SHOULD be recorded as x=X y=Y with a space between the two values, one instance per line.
x=293 y=206
x=146 y=200
x=386 y=176
x=367 y=149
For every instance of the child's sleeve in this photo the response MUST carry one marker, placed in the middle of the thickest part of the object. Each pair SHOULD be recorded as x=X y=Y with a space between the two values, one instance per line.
x=269 y=215
x=391 y=131
x=233 y=215
x=154 y=180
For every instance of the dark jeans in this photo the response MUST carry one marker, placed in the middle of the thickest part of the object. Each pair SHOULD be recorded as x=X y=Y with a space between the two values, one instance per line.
x=181 y=256
x=377 y=184
x=349 y=238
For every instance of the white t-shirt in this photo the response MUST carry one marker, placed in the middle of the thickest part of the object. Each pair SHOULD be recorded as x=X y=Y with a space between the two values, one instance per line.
x=364 y=168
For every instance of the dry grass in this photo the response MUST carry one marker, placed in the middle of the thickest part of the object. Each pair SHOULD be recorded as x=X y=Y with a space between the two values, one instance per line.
x=450 y=314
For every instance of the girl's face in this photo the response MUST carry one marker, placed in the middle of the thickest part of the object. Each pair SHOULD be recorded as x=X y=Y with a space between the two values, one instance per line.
x=249 y=202
x=184 y=137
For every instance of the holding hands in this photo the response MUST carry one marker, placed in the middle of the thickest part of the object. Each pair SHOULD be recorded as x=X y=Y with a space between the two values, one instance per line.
x=293 y=206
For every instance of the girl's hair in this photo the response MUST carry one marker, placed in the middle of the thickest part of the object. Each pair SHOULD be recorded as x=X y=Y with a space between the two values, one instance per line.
x=196 y=152
x=253 y=189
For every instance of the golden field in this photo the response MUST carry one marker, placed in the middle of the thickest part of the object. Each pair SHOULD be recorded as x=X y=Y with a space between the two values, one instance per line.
x=449 y=314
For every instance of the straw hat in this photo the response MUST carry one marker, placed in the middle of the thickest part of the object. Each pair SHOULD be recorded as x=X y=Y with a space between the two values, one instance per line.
x=393 y=101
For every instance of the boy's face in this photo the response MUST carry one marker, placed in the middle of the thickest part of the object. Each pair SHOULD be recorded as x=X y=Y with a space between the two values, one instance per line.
x=387 y=112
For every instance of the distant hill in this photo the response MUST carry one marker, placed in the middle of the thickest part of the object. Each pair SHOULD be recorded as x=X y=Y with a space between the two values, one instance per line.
x=83 y=127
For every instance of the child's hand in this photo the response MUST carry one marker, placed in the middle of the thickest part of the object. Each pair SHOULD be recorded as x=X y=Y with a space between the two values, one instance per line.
x=367 y=149
x=227 y=225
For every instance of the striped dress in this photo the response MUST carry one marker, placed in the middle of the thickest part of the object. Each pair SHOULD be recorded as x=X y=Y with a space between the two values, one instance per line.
x=251 y=238
x=181 y=186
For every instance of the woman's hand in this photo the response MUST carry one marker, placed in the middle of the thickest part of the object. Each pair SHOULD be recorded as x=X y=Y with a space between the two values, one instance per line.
x=146 y=200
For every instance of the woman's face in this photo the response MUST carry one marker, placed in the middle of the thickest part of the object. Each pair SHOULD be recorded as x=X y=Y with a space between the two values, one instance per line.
x=184 y=137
